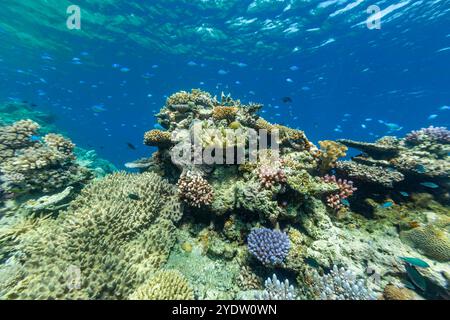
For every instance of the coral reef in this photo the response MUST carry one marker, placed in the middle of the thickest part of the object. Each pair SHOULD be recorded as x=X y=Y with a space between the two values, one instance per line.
x=275 y=289
x=29 y=164
x=194 y=189
x=270 y=247
x=197 y=222
x=164 y=285
x=113 y=236
x=341 y=284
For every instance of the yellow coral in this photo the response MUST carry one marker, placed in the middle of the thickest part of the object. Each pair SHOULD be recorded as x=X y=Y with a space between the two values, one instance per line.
x=224 y=113
x=330 y=152
x=164 y=285
x=157 y=138
x=392 y=292
x=262 y=124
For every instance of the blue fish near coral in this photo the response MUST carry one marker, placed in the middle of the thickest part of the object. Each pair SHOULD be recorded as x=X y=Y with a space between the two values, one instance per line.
x=430 y=185
x=387 y=204
x=416 y=262
x=405 y=194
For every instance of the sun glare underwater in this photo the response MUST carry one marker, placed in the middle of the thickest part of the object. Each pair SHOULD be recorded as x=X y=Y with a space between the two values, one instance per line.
x=225 y=150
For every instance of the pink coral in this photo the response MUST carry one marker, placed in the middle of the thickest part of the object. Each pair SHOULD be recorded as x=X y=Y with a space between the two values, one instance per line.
x=270 y=176
x=346 y=189
x=194 y=189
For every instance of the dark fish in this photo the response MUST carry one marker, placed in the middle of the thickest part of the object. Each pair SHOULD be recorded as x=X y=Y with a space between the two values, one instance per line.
x=287 y=99
x=133 y=196
x=131 y=146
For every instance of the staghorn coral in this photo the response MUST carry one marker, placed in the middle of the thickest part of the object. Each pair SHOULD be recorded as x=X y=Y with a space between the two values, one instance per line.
x=277 y=290
x=104 y=246
x=346 y=189
x=340 y=284
x=194 y=189
x=164 y=285
x=158 y=138
x=432 y=241
x=270 y=247
x=329 y=153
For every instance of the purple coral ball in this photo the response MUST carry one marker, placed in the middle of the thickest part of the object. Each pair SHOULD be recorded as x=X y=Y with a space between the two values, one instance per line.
x=269 y=246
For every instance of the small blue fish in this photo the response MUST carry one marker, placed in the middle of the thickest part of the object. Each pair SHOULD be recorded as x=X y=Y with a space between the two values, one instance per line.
x=345 y=202
x=430 y=185
x=421 y=168
x=294 y=68
x=416 y=262
x=432 y=116
x=35 y=138
x=405 y=194
x=124 y=69
x=387 y=204
x=158 y=127
x=443 y=108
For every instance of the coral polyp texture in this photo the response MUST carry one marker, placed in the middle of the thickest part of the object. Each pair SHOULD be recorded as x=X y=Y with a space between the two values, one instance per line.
x=209 y=215
x=194 y=189
x=341 y=284
x=270 y=247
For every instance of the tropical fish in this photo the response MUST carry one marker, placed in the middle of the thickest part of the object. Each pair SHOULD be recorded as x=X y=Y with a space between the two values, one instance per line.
x=405 y=194
x=432 y=116
x=416 y=278
x=287 y=99
x=430 y=185
x=387 y=204
x=131 y=146
x=415 y=262
x=133 y=196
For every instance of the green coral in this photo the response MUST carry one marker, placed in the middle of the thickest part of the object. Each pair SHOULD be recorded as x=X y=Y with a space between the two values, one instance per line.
x=164 y=285
x=116 y=234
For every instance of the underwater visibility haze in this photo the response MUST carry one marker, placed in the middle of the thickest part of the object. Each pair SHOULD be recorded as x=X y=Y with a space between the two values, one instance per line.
x=341 y=109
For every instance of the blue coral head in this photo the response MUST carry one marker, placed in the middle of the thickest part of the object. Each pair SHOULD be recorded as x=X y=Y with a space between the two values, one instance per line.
x=270 y=247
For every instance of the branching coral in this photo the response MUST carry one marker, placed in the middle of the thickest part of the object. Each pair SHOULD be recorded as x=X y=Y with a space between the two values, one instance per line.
x=340 y=284
x=346 y=189
x=329 y=153
x=16 y=137
x=194 y=189
x=269 y=246
x=277 y=290
x=271 y=175
x=433 y=134
x=164 y=285
x=115 y=235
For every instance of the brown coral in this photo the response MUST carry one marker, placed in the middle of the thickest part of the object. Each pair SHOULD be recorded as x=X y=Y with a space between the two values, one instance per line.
x=59 y=143
x=392 y=292
x=157 y=138
x=329 y=153
x=195 y=190
x=224 y=113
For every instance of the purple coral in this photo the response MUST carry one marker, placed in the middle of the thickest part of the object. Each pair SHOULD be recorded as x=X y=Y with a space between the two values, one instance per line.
x=269 y=246
x=346 y=189
x=435 y=134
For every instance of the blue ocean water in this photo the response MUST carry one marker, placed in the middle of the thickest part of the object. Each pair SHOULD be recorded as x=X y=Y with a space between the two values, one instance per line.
x=315 y=65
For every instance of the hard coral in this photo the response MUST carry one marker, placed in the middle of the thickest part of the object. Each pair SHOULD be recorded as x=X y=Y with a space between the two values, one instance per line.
x=164 y=285
x=346 y=189
x=433 y=134
x=113 y=237
x=224 y=113
x=277 y=290
x=194 y=189
x=329 y=153
x=157 y=138
x=270 y=247
x=271 y=175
